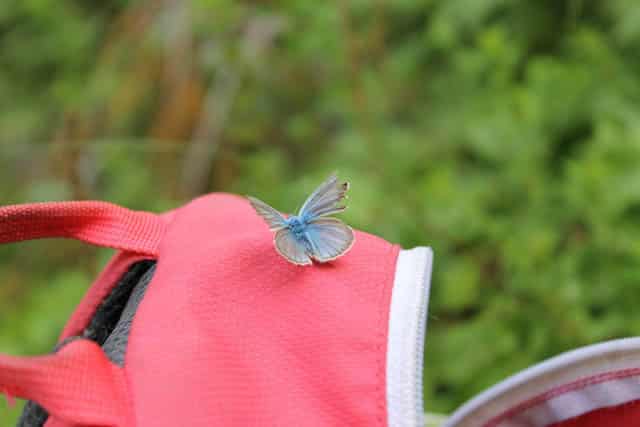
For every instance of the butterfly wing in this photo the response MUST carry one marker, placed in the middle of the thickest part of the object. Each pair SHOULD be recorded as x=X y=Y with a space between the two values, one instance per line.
x=270 y=215
x=291 y=248
x=325 y=200
x=329 y=238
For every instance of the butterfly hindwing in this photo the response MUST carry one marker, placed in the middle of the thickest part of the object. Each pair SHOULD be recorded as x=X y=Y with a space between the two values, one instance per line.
x=329 y=238
x=325 y=199
x=273 y=218
x=291 y=248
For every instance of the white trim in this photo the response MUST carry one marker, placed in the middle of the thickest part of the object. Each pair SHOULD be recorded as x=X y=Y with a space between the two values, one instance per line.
x=578 y=402
x=598 y=359
x=405 y=346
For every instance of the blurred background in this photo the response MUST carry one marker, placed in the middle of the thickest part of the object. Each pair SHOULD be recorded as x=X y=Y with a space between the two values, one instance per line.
x=504 y=133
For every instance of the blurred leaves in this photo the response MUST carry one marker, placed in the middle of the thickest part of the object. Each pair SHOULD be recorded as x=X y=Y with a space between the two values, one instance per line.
x=504 y=133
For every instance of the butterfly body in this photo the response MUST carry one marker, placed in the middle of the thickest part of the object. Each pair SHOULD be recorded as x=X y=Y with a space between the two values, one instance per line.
x=311 y=234
x=297 y=225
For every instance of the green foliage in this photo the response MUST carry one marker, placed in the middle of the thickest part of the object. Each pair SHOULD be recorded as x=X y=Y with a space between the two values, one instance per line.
x=504 y=133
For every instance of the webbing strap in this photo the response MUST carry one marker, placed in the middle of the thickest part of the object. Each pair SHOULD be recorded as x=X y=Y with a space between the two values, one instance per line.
x=97 y=223
x=78 y=385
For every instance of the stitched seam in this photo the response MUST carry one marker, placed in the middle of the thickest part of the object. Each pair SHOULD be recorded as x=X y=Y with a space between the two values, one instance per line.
x=132 y=406
x=557 y=391
x=382 y=336
x=570 y=420
x=169 y=218
x=418 y=282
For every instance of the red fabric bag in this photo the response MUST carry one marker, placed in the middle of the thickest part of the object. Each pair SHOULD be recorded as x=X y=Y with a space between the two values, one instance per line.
x=229 y=333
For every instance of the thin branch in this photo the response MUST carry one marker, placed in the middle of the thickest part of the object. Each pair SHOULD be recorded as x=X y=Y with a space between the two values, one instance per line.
x=258 y=36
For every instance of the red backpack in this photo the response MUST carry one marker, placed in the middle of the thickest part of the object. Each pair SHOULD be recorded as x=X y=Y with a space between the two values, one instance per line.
x=198 y=321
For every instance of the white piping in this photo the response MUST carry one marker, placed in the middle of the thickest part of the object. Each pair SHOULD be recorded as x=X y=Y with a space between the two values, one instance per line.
x=405 y=346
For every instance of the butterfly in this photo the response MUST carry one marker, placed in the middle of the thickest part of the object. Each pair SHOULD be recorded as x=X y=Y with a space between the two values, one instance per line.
x=311 y=235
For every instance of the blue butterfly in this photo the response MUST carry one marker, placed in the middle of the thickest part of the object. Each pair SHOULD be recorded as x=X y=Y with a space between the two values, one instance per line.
x=311 y=235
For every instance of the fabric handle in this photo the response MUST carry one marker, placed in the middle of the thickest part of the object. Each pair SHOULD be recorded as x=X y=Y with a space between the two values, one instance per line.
x=78 y=385
x=97 y=223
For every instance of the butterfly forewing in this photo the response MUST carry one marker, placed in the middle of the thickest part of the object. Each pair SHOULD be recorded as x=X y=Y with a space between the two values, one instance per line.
x=318 y=192
x=329 y=238
x=291 y=248
x=270 y=215
x=330 y=205
x=325 y=199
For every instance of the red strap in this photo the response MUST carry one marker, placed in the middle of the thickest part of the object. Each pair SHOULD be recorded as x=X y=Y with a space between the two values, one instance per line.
x=98 y=223
x=77 y=385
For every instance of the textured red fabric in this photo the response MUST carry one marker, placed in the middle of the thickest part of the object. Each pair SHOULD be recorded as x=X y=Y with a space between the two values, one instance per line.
x=77 y=385
x=627 y=415
x=100 y=288
x=231 y=334
x=98 y=223
x=98 y=291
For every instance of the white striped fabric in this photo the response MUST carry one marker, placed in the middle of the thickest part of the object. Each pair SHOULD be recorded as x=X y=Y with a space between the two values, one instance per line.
x=569 y=385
